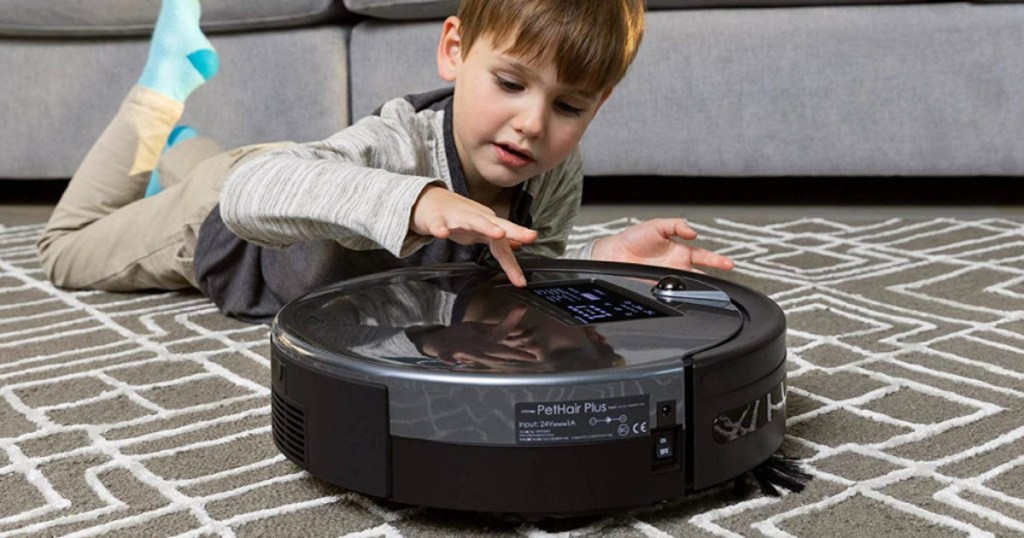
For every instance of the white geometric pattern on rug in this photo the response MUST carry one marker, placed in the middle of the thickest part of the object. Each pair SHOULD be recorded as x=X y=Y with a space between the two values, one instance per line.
x=149 y=413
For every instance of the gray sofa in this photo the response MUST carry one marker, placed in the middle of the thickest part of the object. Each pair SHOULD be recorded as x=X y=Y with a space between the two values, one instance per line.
x=929 y=89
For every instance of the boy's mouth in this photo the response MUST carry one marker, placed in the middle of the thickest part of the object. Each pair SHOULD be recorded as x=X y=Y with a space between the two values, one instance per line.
x=513 y=156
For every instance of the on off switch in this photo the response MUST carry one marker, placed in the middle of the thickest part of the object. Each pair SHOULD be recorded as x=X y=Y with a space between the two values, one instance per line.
x=664 y=445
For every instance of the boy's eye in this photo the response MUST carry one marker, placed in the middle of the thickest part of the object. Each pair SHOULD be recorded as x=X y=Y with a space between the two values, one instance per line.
x=507 y=85
x=566 y=108
x=513 y=87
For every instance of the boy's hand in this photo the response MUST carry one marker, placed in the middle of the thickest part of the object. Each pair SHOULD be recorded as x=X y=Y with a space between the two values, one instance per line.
x=446 y=215
x=653 y=242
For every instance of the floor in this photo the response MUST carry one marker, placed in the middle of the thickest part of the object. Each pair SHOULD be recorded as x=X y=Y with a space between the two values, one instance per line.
x=17 y=215
x=602 y=212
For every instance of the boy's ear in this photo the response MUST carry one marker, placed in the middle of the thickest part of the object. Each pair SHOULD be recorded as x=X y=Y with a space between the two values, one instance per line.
x=449 y=50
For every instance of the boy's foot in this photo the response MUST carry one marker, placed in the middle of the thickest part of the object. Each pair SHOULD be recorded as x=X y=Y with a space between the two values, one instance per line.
x=180 y=133
x=181 y=58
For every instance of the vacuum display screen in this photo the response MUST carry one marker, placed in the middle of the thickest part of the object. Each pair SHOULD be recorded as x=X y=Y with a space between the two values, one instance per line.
x=591 y=302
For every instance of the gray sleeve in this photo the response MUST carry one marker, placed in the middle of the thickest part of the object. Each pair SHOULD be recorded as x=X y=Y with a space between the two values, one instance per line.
x=361 y=182
x=555 y=207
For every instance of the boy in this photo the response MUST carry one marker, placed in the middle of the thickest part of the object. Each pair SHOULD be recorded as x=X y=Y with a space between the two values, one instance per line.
x=488 y=167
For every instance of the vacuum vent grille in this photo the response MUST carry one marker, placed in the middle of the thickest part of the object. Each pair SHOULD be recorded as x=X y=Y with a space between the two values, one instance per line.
x=289 y=427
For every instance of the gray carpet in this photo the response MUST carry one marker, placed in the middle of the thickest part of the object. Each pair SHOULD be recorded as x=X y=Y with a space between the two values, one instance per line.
x=148 y=414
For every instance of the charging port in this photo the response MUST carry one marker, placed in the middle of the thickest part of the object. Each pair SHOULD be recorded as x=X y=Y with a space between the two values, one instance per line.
x=665 y=414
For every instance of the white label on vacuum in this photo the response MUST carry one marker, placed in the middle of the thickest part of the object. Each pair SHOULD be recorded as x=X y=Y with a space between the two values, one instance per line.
x=582 y=421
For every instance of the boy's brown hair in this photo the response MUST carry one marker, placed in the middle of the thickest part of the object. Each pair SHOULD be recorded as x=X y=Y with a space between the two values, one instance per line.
x=592 y=41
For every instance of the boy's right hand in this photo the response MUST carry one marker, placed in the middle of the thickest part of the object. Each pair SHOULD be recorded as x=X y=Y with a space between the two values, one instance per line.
x=447 y=215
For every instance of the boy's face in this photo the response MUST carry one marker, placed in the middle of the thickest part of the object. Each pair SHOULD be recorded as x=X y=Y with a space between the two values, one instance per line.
x=512 y=120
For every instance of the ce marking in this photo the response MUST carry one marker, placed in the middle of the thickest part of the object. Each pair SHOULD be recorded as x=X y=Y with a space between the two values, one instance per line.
x=640 y=427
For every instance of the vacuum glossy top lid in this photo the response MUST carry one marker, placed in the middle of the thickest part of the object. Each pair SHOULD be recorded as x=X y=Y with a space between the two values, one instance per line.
x=468 y=318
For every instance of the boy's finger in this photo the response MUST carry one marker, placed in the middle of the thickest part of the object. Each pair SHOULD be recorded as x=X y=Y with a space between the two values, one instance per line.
x=503 y=253
x=707 y=258
x=681 y=228
x=483 y=225
x=440 y=231
x=517 y=233
x=669 y=228
x=498 y=228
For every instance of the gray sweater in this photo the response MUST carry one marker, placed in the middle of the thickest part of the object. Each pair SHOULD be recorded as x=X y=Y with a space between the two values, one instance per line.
x=302 y=216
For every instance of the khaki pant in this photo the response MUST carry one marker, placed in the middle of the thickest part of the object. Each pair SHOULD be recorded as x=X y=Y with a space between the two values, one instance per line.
x=104 y=235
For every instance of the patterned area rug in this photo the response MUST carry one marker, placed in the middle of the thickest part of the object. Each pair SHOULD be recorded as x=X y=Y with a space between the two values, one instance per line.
x=149 y=414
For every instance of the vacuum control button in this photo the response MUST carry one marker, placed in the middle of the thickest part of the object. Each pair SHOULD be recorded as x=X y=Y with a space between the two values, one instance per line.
x=664 y=448
x=671 y=283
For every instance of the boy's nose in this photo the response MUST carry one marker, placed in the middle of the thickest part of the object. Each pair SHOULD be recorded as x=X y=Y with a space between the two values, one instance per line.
x=530 y=121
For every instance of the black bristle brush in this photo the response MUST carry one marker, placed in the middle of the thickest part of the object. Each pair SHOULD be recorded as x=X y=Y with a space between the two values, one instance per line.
x=778 y=471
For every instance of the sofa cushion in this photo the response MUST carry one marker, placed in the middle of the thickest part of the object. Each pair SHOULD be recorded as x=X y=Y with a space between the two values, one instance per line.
x=437 y=9
x=59 y=94
x=136 y=17
x=916 y=90
x=403 y=9
x=691 y=4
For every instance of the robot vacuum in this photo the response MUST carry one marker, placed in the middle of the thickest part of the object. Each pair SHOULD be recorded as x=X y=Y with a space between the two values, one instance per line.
x=597 y=387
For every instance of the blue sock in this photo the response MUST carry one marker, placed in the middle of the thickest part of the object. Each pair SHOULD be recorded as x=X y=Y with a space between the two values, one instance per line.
x=180 y=133
x=181 y=58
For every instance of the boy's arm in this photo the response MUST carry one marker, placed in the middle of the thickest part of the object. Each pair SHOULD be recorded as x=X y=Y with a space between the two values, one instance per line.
x=361 y=182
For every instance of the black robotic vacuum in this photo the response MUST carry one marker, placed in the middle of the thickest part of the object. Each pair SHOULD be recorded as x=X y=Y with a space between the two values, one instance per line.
x=599 y=386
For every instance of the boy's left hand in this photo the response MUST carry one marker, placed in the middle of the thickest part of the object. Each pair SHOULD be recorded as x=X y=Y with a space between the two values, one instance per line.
x=653 y=242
